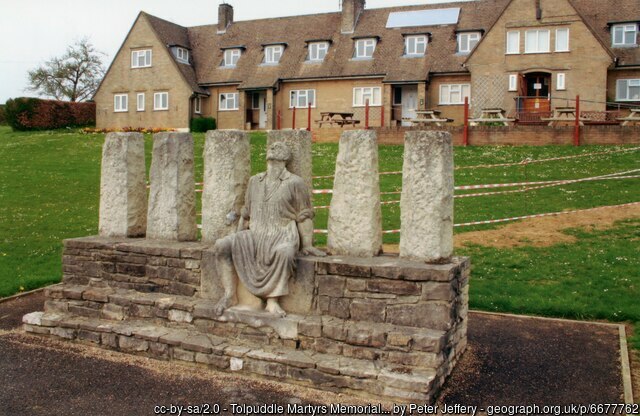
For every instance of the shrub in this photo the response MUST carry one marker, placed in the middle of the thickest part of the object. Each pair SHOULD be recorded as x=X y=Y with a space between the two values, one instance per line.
x=37 y=114
x=203 y=124
x=3 y=120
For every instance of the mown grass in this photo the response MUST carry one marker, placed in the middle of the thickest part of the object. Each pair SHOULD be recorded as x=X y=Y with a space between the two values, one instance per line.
x=49 y=191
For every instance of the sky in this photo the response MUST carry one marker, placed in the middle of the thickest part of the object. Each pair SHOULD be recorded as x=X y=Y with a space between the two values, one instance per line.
x=33 y=31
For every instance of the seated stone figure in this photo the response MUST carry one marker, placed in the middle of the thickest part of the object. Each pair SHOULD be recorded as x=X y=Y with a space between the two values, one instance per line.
x=275 y=222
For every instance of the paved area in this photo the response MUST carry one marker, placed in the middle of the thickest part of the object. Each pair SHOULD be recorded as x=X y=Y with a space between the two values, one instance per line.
x=509 y=361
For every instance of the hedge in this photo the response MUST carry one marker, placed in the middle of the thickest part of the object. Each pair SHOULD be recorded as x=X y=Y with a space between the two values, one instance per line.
x=3 y=120
x=203 y=124
x=36 y=114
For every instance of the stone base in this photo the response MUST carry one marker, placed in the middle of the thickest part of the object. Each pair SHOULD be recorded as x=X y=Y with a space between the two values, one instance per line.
x=378 y=328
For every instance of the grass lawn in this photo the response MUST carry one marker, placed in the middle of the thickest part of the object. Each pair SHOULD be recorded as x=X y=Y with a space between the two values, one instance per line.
x=49 y=191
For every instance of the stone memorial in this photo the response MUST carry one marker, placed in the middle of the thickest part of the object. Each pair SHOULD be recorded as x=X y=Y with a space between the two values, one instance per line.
x=426 y=203
x=382 y=327
x=227 y=167
x=123 y=209
x=172 y=198
x=355 y=217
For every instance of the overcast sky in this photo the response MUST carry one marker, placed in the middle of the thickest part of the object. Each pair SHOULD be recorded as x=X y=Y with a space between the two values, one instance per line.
x=32 y=31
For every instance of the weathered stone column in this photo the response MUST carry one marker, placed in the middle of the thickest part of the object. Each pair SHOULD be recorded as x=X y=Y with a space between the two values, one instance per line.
x=123 y=191
x=355 y=217
x=300 y=143
x=426 y=203
x=172 y=200
x=227 y=168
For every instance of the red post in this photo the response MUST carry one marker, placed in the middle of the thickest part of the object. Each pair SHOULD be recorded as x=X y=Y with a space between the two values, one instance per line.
x=293 y=126
x=366 y=115
x=279 y=121
x=576 y=130
x=465 y=135
x=382 y=116
x=309 y=119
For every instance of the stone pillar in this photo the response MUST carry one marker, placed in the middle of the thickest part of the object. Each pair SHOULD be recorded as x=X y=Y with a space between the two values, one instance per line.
x=172 y=200
x=123 y=191
x=426 y=203
x=300 y=143
x=227 y=168
x=355 y=217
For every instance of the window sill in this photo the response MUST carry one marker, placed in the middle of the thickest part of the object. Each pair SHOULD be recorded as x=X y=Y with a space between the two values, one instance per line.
x=414 y=56
x=362 y=59
x=537 y=53
x=625 y=46
x=141 y=67
x=227 y=67
x=228 y=109
x=160 y=109
x=270 y=64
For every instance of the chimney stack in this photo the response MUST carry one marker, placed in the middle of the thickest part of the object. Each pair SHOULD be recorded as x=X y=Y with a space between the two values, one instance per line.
x=225 y=17
x=351 y=10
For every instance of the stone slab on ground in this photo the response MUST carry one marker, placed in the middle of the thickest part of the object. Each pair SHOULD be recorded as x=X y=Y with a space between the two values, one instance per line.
x=509 y=360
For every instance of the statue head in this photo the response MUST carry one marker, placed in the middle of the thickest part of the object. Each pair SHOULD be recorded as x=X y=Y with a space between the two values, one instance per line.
x=279 y=151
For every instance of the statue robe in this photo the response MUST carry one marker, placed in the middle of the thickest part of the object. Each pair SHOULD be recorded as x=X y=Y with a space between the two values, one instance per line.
x=264 y=255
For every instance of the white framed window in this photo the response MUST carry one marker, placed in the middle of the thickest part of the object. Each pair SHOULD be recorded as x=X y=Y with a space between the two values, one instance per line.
x=562 y=40
x=182 y=55
x=273 y=53
x=628 y=90
x=231 y=57
x=197 y=105
x=229 y=101
x=365 y=48
x=561 y=82
x=140 y=101
x=624 y=35
x=454 y=94
x=318 y=51
x=536 y=41
x=141 y=58
x=513 y=82
x=160 y=101
x=121 y=103
x=363 y=94
x=302 y=98
x=513 y=43
x=415 y=45
x=467 y=41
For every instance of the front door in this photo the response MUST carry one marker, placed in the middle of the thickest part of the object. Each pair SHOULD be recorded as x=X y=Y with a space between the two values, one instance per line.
x=262 y=104
x=538 y=86
x=409 y=103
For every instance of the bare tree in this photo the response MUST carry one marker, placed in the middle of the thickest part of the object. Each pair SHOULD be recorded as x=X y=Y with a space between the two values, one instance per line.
x=74 y=76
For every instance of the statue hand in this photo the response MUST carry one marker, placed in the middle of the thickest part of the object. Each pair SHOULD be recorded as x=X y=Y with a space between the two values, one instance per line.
x=312 y=251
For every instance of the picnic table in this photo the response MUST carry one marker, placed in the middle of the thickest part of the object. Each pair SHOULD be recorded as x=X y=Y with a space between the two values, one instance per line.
x=492 y=115
x=337 y=118
x=427 y=117
x=633 y=117
x=564 y=114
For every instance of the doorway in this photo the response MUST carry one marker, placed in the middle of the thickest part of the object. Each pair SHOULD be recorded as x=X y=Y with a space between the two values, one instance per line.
x=537 y=86
x=405 y=103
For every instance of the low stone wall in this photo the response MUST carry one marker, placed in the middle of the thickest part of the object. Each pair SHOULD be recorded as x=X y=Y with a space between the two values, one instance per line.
x=501 y=135
x=381 y=327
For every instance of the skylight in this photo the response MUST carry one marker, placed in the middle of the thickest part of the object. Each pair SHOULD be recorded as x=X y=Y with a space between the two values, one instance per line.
x=432 y=17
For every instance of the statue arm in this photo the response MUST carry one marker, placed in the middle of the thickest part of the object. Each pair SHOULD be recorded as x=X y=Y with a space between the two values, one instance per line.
x=305 y=229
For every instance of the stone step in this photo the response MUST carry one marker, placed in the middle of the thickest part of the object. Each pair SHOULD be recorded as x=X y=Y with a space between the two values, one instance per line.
x=418 y=347
x=185 y=343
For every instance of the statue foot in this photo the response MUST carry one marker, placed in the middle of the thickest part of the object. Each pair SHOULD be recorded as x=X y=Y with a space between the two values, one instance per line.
x=274 y=307
x=223 y=304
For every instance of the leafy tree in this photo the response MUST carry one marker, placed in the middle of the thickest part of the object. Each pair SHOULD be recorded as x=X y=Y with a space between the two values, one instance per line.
x=74 y=76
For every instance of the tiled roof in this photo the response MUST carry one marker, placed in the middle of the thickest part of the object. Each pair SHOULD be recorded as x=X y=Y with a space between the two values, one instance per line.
x=172 y=34
x=388 y=61
x=598 y=13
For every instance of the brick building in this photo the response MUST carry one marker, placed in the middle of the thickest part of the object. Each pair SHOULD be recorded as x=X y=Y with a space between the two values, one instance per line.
x=520 y=55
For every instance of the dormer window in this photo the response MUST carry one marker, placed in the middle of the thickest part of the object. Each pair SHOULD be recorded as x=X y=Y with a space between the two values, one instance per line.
x=625 y=34
x=415 y=45
x=467 y=41
x=231 y=57
x=365 y=48
x=318 y=51
x=273 y=53
x=182 y=55
x=141 y=58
